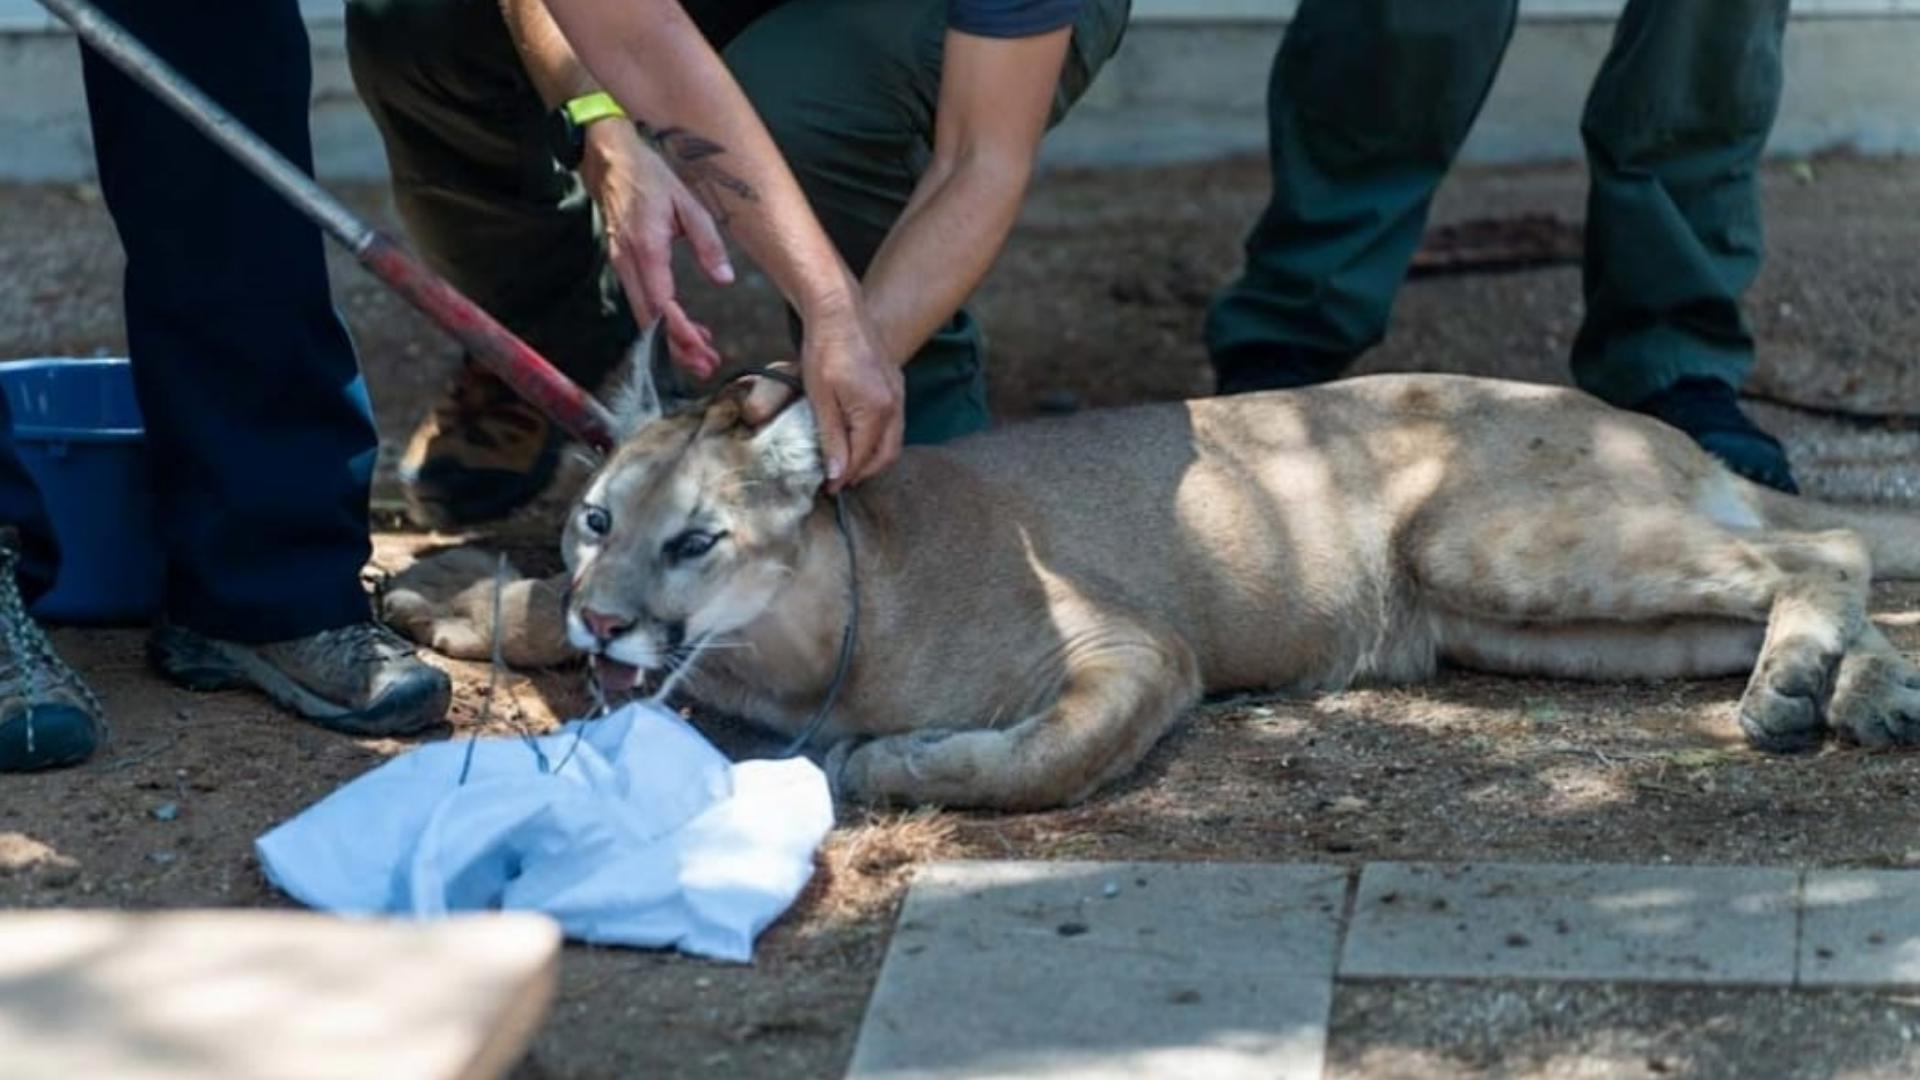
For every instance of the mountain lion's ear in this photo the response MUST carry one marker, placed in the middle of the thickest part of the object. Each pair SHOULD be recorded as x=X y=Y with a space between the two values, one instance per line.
x=653 y=386
x=787 y=448
x=637 y=402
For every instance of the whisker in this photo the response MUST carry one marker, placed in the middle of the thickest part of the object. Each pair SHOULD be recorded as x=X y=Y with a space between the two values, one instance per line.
x=678 y=672
x=728 y=646
x=730 y=642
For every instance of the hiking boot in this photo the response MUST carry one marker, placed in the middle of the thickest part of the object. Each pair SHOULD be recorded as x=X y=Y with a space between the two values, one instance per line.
x=479 y=455
x=1709 y=411
x=48 y=717
x=1281 y=367
x=361 y=680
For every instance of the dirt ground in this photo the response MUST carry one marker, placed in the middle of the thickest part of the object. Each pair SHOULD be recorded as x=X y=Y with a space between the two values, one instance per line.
x=1098 y=301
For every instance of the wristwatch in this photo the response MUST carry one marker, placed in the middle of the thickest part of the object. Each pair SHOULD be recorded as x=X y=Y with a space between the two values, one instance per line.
x=567 y=125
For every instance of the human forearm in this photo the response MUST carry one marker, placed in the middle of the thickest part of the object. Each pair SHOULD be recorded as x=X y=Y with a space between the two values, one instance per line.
x=655 y=62
x=995 y=95
x=557 y=74
x=643 y=207
x=558 y=77
x=941 y=248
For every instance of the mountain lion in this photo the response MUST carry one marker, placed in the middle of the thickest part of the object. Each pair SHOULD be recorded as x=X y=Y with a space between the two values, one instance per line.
x=1039 y=604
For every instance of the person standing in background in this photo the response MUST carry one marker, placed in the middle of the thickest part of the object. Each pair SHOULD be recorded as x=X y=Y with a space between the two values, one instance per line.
x=1369 y=101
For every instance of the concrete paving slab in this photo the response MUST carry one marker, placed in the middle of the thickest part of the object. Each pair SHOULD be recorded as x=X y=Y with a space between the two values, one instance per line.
x=1860 y=928
x=1719 y=925
x=240 y=995
x=1018 y=969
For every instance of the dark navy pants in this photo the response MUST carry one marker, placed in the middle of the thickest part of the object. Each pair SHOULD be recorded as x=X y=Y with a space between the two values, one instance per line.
x=259 y=429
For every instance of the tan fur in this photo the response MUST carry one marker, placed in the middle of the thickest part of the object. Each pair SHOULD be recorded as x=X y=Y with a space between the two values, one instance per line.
x=1041 y=603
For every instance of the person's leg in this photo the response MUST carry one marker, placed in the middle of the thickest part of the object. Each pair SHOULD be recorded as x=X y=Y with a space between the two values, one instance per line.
x=48 y=716
x=1674 y=128
x=848 y=89
x=1367 y=104
x=258 y=426
x=490 y=209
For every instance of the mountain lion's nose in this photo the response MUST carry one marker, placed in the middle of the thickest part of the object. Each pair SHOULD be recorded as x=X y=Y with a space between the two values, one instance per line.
x=604 y=628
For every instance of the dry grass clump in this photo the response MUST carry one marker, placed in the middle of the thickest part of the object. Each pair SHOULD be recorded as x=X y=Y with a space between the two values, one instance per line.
x=864 y=867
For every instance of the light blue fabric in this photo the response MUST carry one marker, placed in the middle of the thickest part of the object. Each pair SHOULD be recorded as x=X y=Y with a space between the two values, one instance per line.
x=646 y=835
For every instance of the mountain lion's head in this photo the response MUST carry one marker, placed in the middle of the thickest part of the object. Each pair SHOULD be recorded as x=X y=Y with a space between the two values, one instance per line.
x=689 y=530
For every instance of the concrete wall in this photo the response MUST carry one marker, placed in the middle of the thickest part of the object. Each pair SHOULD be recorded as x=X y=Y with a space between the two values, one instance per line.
x=1185 y=88
x=1188 y=83
x=43 y=127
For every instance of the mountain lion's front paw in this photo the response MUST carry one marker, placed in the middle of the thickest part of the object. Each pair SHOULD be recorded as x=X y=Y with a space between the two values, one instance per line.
x=445 y=602
x=1784 y=708
x=1876 y=700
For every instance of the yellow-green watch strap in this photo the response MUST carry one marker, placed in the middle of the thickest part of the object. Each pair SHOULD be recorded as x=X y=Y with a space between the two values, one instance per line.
x=587 y=108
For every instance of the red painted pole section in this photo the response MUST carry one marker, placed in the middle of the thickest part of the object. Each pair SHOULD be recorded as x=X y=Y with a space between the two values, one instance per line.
x=527 y=372
x=530 y=375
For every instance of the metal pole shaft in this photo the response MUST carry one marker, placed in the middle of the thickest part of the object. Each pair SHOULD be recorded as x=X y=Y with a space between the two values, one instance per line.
x=513 y=360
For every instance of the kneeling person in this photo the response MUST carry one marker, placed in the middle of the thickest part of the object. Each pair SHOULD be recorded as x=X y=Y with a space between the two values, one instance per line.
x=911 y=126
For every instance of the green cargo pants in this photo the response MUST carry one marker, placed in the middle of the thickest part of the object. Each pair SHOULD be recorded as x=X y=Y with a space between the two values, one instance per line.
x=846 y=87
x=1368 y=102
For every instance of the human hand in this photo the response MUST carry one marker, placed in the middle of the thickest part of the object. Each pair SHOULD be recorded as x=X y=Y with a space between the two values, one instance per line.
x=858 y=397
x=645 y=207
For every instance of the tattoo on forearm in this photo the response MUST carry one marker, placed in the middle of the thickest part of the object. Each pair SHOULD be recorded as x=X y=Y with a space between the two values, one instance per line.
x=696 y=159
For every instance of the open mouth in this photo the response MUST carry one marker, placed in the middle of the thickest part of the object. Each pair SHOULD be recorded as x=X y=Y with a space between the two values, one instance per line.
x=621 y=680
x=616 y=677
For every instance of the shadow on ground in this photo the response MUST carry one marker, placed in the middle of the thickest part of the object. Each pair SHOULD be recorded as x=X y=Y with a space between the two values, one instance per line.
x=1099 y=300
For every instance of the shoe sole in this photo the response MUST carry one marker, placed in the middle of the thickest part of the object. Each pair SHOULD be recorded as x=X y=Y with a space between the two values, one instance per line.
x=205 y=666
x=1233 y=378
x=1755 y=455
x=1236 y=385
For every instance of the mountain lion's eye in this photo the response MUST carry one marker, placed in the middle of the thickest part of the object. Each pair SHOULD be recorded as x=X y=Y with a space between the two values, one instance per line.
x=597 y=520
x=691 y=544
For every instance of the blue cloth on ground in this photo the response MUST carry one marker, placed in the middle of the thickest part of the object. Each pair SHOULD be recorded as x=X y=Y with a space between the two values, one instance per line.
x=645 y=836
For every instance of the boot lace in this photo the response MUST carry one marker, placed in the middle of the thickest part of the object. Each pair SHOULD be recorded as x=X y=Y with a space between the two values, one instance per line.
x=363 y=643
x=28 y=663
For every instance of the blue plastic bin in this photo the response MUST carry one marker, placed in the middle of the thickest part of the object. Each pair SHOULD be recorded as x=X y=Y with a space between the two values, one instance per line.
x=77 y=429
